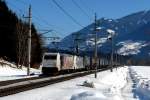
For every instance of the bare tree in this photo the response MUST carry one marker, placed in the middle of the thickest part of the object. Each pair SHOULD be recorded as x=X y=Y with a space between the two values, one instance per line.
x=21 y=41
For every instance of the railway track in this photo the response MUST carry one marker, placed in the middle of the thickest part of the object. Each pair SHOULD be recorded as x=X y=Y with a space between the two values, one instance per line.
x=7 y=82
x=19 y=85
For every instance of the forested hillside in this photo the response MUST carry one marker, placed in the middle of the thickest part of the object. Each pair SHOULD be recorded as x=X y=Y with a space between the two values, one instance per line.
x=13 y=38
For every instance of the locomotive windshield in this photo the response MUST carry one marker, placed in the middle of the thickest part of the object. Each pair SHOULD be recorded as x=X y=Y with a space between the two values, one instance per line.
x=46 y=57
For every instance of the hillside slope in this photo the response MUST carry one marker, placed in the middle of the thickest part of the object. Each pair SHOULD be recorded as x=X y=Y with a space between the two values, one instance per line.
x=132 y=36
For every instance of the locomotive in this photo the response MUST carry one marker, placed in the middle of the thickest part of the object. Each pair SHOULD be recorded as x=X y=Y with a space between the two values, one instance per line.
x=61 y=62
x=53 y=63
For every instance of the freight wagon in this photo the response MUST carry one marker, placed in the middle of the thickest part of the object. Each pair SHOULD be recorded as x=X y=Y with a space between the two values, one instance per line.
x=54 y=63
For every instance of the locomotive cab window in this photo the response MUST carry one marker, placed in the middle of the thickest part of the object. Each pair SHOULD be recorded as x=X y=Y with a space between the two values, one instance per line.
x=50 y=57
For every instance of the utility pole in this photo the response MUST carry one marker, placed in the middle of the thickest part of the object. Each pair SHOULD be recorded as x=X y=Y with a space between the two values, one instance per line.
x=111 y=36
x=77 y=43
x=77 y=40
x=95 y=51
x=77 y=46
x=55 y=41
x=116 y=59
x=112 y=50
x=29 y=42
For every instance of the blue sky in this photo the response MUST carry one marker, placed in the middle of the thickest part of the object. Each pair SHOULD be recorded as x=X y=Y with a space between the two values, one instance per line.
x=46 y=15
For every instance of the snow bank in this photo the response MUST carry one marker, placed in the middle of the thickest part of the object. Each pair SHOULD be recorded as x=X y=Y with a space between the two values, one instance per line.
x=10 y=71
x=117 y=79
x=89 y=95
x=107 y=88
x=87 y=83
x=141 y=79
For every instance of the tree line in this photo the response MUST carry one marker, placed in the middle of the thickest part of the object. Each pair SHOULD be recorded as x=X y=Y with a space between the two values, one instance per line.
x=14 y=36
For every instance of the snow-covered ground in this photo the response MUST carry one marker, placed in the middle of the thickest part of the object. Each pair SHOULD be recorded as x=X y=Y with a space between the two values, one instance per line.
x=124 y=83
x=107 y=86
x=9 y=71
x=141 y=79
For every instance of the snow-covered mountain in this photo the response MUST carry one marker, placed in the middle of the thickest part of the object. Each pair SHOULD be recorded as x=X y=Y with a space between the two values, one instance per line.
x=131 y=36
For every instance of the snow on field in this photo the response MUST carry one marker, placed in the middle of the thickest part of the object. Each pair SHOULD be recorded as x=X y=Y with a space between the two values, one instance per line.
x=141 y=78
x=107 y=86
x=9 y=71
x=143 y=71
x=116 y=85
x=130 y=47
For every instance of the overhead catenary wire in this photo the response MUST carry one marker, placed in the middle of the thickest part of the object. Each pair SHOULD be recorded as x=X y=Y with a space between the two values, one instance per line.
x=20 y=12
x=54 y=33
x=44 y=21
x=86 y=6
x=38 y=17
x=21 y=15
x=67 y=14
x=23 y=2
x=82 y=10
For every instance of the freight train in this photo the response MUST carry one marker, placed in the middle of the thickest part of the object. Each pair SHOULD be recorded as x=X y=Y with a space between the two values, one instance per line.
x=54 y=63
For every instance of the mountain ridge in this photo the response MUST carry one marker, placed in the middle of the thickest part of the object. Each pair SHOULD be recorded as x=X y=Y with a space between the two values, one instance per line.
x=132 y=36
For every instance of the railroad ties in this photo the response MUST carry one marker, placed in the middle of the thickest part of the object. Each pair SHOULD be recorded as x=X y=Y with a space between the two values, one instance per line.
x=19 y=85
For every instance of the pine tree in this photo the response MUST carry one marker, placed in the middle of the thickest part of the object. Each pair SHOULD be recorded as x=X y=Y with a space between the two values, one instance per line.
x=13 y=38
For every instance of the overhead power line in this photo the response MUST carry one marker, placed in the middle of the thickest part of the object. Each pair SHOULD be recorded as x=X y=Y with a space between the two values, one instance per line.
x=66 y=13
x=19 y=11
x=38 y=17
x=25 y=3
x=87 y=7
x=78 y=6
